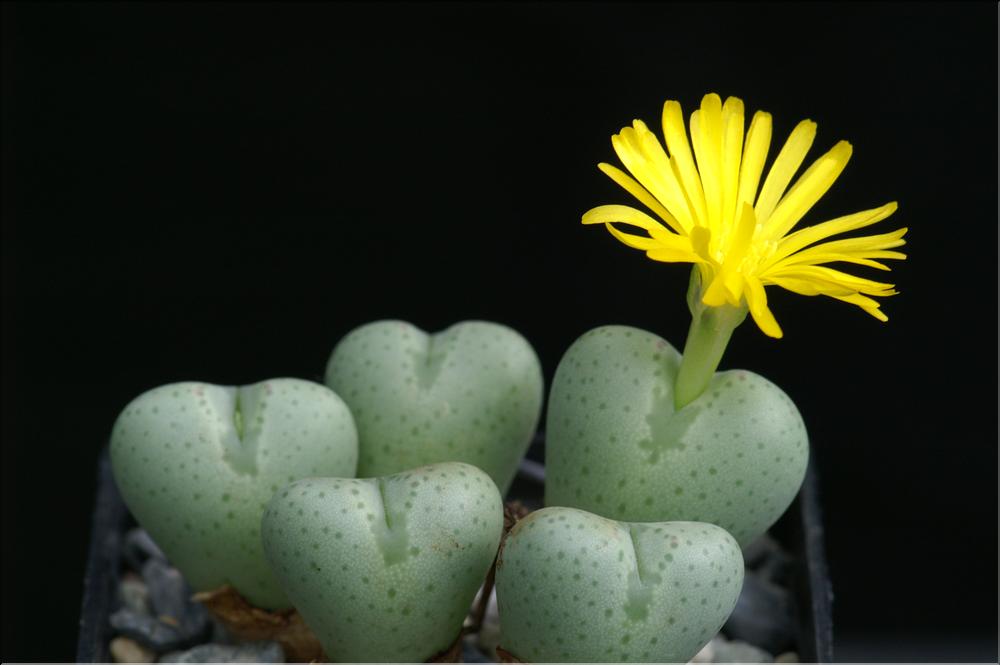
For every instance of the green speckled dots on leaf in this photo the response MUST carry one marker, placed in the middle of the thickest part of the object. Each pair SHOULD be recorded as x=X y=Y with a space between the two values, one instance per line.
x=576 y=587
x=196 y=464
x=385 y=569
x=472 y=393
x=615 y=445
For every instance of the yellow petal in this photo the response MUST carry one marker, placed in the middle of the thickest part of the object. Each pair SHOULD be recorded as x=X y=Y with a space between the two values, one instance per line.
x=826 y=279
x=691 y=202
x=701 y=238
x=785 y=165
x=706 y=137
x=638 y=191
x=807 y=190
x=662 y=241
x=625 y=146
x=725 y=287
x=877 y=242
x=629 y=146
x=851 y=250
x=715 y=294
x=835 y=257
x=728 y=284
x=624 y=214
x=761 y=313
x=864 y=302
x=807 y=236
x=680 y=156
x=637 y=242
x=809 y=287
x=669 y=189
x=671 y=255
x=732 y=150
x=741 y=237
x=734 y=282
x=754 y=155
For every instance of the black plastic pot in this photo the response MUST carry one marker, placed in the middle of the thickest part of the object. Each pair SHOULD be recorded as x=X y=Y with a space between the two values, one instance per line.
x=800 y=532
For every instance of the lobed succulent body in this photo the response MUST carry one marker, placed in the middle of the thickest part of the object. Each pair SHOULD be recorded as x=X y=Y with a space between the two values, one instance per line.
x=385 y=569
x=576 y=587
x=616 y=445
x=196 y=464
x=472 y=393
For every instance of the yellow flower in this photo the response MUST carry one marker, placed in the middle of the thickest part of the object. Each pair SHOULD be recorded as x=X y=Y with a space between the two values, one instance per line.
x=712 y=215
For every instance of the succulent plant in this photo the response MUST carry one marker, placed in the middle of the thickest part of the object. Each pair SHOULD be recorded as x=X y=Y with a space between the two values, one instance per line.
x=385 y=569
x=576 y=587
x=617 y=446
x=196 y=464
x=472 y=393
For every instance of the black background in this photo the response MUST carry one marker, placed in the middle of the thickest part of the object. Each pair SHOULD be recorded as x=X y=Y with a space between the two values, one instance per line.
x=220 y=192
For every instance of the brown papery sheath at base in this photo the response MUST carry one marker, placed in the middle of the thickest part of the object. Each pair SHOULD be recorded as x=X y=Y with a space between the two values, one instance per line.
x=246 y=622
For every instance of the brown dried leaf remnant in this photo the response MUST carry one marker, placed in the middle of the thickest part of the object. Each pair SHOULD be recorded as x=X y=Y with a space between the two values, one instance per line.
x=507 y=657
x=246 y=622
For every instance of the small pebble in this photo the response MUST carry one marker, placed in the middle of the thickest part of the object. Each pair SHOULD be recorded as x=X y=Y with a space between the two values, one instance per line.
x=248 y=652
x=170 y=598
x=137 y=547
x=471 y=653
x=763 y=616
x=738 y=652
x=148 y=631
x=706 y=654
x=133 y=593
x=124 y=650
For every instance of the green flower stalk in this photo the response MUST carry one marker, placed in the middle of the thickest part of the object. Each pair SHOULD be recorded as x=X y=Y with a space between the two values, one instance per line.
x=711 y=328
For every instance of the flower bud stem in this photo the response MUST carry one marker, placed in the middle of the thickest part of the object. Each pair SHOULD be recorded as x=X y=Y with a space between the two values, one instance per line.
x=711 y=328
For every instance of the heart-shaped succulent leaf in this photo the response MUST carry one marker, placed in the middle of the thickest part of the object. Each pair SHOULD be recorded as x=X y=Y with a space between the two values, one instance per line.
x=385 y=569
x=196 y=464
x=576 y=587
x=472 y=393
x=616 y=446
